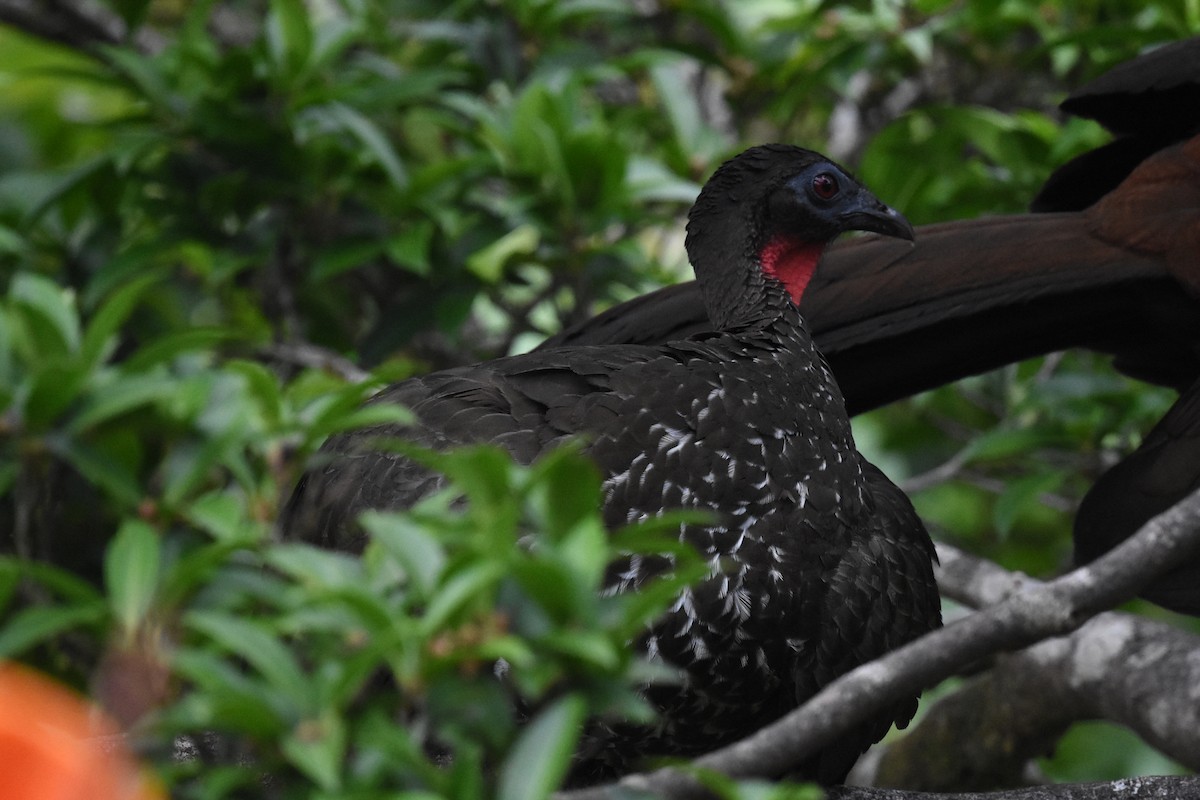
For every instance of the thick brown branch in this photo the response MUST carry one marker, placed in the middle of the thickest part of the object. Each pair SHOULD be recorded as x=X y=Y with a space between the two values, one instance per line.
x=1035 y=613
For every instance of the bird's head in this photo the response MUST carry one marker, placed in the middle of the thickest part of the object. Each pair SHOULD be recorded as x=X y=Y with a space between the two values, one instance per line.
x=765 y=218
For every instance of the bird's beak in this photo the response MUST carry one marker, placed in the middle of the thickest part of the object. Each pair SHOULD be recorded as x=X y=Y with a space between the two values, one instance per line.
x=875 y=217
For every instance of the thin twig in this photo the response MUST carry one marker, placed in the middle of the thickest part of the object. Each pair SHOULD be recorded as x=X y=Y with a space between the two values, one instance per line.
x=947 y=470
x=310 y=355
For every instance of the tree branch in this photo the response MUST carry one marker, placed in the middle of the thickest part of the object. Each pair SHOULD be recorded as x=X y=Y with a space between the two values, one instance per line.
x=1118 y=667
x=1150 y=788
x=306 y=354
x=1027 y=614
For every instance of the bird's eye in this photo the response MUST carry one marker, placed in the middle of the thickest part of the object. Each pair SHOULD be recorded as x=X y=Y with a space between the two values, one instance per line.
x=825 y=186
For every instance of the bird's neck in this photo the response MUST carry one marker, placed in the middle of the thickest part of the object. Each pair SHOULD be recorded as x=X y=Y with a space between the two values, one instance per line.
x=792 y=262
x=748 y=285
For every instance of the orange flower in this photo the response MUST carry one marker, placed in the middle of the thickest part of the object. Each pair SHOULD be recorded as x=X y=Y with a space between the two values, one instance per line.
x=54 y=746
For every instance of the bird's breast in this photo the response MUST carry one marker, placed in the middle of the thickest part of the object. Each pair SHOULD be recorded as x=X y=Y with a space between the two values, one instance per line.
x=757 y=443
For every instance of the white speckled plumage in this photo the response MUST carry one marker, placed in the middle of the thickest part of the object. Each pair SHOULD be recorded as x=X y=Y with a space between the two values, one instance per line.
x=817 y=563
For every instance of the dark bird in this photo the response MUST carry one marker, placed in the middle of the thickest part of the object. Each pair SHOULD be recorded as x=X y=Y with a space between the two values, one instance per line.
x=1152 y=106
x=1164 y=469
x=968 y=296
x=1114 y=268
x=818 y=562
x=1148 y=103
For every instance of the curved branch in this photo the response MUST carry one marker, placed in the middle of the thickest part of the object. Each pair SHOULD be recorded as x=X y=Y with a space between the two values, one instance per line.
x=1118 y=667
x=1037 y=612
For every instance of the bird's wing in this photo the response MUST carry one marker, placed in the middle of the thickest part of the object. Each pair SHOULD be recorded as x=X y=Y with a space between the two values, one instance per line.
x=1164 y=469
x=525 y=404
x=880 y=595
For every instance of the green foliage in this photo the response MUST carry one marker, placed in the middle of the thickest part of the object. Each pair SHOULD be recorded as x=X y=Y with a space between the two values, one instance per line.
x=340 y=672
x=998 y=463
x=1119 y=751
x=195 y=237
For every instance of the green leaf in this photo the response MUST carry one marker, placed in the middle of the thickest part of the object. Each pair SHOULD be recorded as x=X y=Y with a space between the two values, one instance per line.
x=483 y=472
x=10 y=370
x=420 y=554
x=567 y=490
x=68 y=585
x=488 y=262
x=222 y=514
x=317 y=748
x=143 y=74
x=255 y=643
x=553 y=587
x=76 y=177
x=100 y=468
x=411 y=247
x=1001 y=443
x=1020 y=494
x=566 y=10
x=650 y=181
x=53 y=388
x=131 y=569
x=164 y=348
x=264 y=386
x=54 y=307
x=228 y=697
x=111 y=315
x=120 y=396
x=597 y=169
x=586 y=549
x=195 y=570
x=289 y=34
x=590 y=647
x=11 y=242
x=333 y=37
x=32 y=626
x=539 y=760
x=317 y=567
x=513 y=649
x=466 y=586
x=194 y=466
x=371 y=137
x=342 y=257
x=682 y=107
x=131 y=11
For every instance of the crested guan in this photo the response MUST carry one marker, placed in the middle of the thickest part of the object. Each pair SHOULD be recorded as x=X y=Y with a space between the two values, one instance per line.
x=818 y=562
x=976 y=294
x=896 y=319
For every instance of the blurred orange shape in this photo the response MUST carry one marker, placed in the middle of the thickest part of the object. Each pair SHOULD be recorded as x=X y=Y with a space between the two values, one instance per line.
x=55 y=746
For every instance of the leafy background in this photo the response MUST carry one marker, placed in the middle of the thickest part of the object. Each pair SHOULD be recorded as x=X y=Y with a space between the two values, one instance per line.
x=217 y=241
